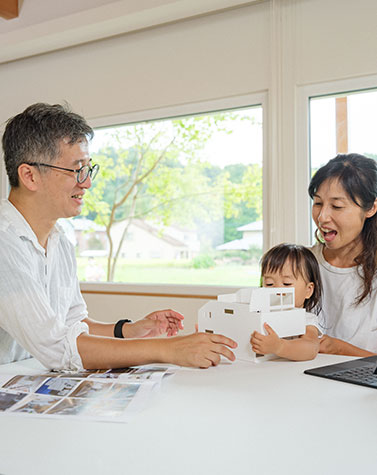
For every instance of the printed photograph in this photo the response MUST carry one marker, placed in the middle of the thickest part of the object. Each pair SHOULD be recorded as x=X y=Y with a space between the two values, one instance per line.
x=110 y=373
x=149 y=372
x=69 y=407
x=123 y=391
x=93 y=408
x=8 y=400
x=89 y=389
x=69 y=374
x=58 y=386
x=35 y=404
x=26 y=384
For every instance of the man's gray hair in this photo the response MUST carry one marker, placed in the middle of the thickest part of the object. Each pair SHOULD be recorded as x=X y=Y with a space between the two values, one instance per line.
x=35 y=134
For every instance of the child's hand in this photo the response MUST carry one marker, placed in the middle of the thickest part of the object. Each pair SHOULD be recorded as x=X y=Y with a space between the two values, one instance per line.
x=264 y=344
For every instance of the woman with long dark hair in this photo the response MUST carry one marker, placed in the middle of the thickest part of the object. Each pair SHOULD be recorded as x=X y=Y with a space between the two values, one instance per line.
x=344 y=193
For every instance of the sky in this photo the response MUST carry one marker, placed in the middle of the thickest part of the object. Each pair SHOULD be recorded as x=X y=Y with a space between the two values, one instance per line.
x=362 y=123
x=243 y=145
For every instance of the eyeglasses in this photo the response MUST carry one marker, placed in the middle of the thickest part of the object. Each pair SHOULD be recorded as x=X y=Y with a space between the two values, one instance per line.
x=82 y=173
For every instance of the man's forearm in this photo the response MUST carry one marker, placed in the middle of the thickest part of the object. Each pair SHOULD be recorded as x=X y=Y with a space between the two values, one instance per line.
x=105 y=329
x=199 y=350
x=101 y=352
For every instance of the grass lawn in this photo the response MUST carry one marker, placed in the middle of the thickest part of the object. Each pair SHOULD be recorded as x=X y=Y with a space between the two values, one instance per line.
x=177 y=272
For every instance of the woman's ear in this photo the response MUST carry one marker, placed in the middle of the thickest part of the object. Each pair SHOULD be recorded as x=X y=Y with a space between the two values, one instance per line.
x=309 y=290
x=371 y=212
x=28 y=176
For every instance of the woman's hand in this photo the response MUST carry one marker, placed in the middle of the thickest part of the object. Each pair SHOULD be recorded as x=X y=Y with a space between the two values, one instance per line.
x=156 y=323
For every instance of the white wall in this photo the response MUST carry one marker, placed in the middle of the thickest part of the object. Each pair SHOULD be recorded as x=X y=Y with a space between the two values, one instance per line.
x=109 y=308
x=277 y=46
x=130 y=301
x=186 y=62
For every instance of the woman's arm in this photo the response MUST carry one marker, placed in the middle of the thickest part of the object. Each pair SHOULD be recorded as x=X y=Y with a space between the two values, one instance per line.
x=303 y=348
x=334 y=346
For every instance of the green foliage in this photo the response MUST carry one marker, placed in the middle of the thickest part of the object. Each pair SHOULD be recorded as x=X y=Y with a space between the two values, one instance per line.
x=371 y=155
x=94 y=243
x=203 y=261
x=161 y=272
x=252 y=255
x=244 y=198
x=155 y=170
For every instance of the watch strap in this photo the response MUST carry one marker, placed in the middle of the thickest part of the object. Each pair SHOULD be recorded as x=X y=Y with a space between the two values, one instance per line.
x=118 y=327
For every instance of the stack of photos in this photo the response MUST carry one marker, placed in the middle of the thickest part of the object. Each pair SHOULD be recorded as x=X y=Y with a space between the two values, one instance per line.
x=112 y=395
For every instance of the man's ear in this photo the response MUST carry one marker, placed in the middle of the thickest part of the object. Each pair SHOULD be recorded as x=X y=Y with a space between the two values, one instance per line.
x=29 y=176
x=371 y=212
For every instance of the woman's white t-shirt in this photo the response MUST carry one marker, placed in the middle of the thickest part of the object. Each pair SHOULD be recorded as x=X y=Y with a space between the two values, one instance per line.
x=340 y=317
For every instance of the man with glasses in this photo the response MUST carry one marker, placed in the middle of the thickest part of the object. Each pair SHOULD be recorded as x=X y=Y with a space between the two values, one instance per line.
x=42 y=312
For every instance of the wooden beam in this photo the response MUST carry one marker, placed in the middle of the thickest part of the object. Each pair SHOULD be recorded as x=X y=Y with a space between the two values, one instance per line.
x=341 y=125
x=9 y=9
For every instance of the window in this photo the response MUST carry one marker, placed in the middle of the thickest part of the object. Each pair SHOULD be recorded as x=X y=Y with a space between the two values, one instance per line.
x=342 y=123
x=176 y=201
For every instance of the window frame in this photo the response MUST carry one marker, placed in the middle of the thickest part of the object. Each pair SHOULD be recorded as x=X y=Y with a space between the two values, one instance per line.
x=185 y=290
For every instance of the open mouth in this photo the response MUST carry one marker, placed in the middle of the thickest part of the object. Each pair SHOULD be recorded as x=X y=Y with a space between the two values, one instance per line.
x=78 y=199
x=328 y=236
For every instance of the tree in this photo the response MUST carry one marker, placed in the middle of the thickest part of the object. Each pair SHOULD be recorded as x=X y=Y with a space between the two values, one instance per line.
x=157 y=170
x=154 y=169
x=243 y=198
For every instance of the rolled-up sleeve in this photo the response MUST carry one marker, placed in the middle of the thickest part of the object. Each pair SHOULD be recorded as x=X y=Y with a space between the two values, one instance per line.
x=71 y=351
x=27 y=316
x=41 y=307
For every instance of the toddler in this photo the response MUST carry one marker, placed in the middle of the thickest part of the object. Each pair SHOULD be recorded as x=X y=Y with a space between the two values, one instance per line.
x=291 y=265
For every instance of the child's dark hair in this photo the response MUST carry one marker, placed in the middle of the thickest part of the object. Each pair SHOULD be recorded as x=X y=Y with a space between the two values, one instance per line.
x=303 y=263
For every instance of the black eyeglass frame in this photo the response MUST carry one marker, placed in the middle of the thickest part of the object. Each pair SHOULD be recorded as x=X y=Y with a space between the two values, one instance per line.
x=92 y=170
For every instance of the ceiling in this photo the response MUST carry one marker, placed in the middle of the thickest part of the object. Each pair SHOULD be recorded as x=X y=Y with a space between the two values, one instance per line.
x=48 y=25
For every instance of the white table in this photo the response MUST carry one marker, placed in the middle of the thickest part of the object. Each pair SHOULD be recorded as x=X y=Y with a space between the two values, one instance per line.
x=241 y=418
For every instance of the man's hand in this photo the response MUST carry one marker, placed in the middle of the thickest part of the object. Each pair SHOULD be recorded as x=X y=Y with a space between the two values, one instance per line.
x=200 y=350
x=157 y=323
x=265 y=344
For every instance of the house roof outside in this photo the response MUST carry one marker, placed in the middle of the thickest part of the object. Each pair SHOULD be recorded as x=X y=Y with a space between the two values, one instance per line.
x=255 y=226
x=158 y=233
x=246 y=241
x=236 y=245
x=176 y=237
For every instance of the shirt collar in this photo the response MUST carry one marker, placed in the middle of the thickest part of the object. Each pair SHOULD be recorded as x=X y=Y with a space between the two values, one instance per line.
x=21 y=227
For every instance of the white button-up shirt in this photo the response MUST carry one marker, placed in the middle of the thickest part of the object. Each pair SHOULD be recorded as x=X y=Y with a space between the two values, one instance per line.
x=41 y=307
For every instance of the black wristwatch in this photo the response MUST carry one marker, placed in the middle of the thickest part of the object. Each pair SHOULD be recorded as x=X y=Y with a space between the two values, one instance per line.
x=118 y=327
